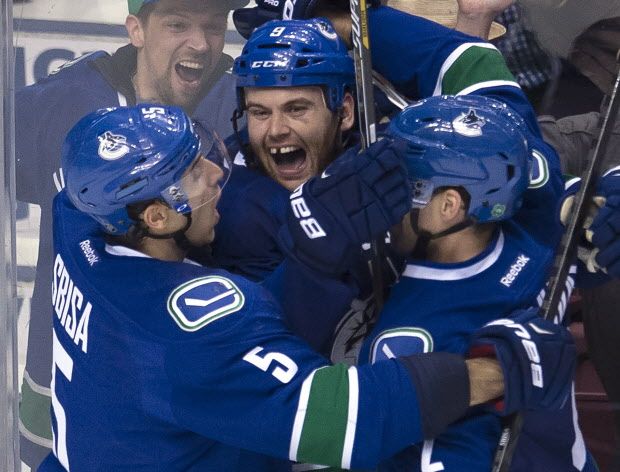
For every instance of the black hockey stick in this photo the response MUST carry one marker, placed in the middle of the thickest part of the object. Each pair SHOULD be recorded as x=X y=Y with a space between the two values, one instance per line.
x=366 y=116
x=562 y=262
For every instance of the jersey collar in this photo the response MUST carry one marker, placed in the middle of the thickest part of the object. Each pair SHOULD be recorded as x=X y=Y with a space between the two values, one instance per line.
x=124 y=251
x=460 y=271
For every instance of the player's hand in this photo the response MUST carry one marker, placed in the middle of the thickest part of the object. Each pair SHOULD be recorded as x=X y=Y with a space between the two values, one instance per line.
x=601 y=225
x=338 y=11
x=357 y=198
x=537 y=358
x=604 y=232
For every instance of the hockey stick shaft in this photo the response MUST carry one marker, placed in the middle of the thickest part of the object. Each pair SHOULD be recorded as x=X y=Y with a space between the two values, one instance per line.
x=563 y=260
x=366 y=115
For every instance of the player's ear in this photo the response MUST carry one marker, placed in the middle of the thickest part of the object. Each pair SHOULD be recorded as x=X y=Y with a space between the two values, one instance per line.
x=135 y=31
x=452 y=204
x=156 y=217
x=347 y=112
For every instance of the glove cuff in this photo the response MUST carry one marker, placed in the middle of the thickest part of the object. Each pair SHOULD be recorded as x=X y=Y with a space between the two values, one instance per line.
x=439 y=378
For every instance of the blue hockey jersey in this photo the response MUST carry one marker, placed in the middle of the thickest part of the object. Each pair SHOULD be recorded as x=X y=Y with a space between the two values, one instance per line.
x=436 y=307
x=45 y=112
x=173 y=366
x=437 y=61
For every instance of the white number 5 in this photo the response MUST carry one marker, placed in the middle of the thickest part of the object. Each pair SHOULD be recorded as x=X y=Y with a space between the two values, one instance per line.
x=64 y=363
x=284 y=375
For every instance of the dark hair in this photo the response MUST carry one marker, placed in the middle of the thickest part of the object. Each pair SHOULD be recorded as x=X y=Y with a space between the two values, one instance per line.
x=138 y=231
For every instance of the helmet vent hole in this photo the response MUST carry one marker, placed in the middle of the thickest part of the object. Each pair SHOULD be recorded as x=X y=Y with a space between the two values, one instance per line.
x=274 y=46
x=302 y=63
x=493 y=190
x=510 y=172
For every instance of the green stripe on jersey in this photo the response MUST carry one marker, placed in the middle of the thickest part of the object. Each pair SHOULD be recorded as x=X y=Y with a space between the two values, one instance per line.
x=474 y=66
x=327 y=423
x=34 y=413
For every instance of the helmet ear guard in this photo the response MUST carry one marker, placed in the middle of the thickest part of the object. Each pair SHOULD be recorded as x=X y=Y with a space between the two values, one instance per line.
x=117 y=157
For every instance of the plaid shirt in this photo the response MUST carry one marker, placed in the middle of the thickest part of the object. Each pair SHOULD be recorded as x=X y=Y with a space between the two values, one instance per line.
x=530 y=64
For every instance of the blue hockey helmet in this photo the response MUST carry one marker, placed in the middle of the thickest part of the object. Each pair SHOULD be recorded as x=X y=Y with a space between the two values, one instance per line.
x=472 y=142
x=295 y=53
x=116 y=157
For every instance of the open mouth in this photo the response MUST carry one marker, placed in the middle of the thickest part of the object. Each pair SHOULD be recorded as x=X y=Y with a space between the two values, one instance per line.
x=289 y=160
x=190 y=71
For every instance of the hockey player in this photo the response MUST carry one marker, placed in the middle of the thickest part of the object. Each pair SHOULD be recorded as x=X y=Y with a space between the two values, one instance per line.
x=175 y=57
x=293 y=73
x=471 y=253
x=162 y=364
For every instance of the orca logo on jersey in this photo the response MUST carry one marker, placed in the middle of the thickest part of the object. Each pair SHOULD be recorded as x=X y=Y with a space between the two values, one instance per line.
x=198 y=302
x=112 y=146
x=72 y=310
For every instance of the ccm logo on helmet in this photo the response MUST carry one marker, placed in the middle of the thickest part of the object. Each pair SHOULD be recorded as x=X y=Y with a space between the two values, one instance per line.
x=310 y=225
x=257 y=64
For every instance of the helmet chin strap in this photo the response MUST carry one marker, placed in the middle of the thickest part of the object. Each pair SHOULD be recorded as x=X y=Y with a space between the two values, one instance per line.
x=250 y=160
x=179 y=236
x=425 y=237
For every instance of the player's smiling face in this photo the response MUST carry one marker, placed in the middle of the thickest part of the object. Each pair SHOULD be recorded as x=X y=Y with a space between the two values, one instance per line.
x=179 y=46
x=292 y=132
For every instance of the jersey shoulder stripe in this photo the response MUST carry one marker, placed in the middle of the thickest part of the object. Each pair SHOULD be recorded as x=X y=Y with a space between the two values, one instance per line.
x=470 y=67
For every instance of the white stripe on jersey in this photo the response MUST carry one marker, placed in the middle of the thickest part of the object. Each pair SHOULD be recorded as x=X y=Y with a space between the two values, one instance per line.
x=349 y=438
x=300 y=416
x=430 y=273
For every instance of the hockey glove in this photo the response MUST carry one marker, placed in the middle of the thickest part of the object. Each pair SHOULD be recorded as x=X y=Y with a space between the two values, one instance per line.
x=536 y=356
x=358 y=197
x=604 y=232
x=602 y=224
x=247 y=19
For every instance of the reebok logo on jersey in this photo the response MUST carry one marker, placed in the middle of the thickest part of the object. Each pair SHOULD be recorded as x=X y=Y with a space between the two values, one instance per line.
x=515 y=270
x=89 y=252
